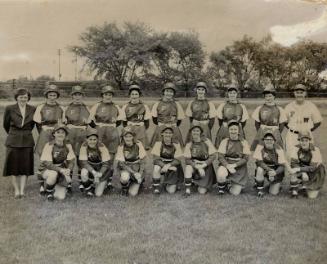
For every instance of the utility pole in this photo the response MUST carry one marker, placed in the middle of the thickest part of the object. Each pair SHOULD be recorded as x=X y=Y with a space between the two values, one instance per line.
x=59 y=72
x=75 y=60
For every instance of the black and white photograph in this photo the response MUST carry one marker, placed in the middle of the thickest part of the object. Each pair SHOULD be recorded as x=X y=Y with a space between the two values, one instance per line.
x=163 y=132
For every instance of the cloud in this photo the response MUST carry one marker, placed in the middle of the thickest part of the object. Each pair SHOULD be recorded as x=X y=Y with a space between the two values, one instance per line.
x=290 y=34
x=15 y=57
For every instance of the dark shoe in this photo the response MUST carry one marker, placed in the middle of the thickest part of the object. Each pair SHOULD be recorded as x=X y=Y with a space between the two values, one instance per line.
x=50 y=197
x=42 y=190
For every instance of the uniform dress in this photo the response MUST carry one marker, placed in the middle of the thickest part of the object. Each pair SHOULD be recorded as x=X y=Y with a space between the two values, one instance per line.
x=269 y=117
x=135 y=115
x=167 y=114
x=203 y=151
x=300 y=117
x=169 y=153
x=230 y=111
x=105 y=116
x=310 y=162
x=19 y=143
x=55 y=157
x=76 y=116
x=131 y=158
x=95 y=159
x=201 y=111
x=271 y=159
x=47 y=116
x=235 y=152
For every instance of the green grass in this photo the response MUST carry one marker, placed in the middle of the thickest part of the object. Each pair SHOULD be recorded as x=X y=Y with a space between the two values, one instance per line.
x=165 y=229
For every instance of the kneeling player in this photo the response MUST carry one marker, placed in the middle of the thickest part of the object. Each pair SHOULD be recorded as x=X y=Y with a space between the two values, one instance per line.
x=199 y=154
x=270 y=160
x=95 y=164
x=307 y=169
x=57 y=163
x=167 y=166
x=233 y=155
x=131 y=162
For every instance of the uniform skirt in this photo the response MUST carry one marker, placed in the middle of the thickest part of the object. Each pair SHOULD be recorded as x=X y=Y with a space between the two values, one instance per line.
x=260 y=133
x=240 y=177
x=44 y=137
x=208 y=180
x=316 y=179
x=76 y=137
x=105 y=176
x=140 y=134
x=19 y=161
x=177 y=135
x=173 y=177
x=278 y=178
x=109 y=136
x=223 y=133
x=135 y=167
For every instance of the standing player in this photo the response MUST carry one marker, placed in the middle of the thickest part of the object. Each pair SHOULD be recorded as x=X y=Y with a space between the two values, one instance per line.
x=199 y=154
x=301 y=115
x=232 y=109
x=233 y=155
x=57 y=163
x=271 y=162
x=131 y=162
x=307 y=170
x=46 y=116
x=107 y=117
x=137 y=115
x=201 y=112
x=76 y=116
x=167 y=113
x=94 y=160
x=269 y=116
x=167 y=168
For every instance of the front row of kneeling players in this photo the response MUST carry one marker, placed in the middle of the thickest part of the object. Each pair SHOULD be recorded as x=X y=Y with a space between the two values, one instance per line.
x=57 y=161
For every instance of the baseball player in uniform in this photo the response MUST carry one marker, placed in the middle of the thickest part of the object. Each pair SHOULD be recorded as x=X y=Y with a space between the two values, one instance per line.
x=46 y=116
x=167 y=113
x=301 y=115
x=271 y=163
x=201 y=111
x=94 y=160
x=307 y=170
x=233 y=155
x=131 y=162
x=232 y=109
x=167 y=169
x=199 y=154
x=269 y=116
x=57 y=163
x=106 y=116
x=137 y=115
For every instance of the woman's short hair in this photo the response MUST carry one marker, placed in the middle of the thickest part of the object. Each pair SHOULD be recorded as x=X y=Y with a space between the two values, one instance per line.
x=22 y=91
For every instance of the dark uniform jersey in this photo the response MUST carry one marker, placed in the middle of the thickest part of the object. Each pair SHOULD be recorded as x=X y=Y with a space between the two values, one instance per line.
x=77 y=114
x=271 y=157
x=46 y=114
x=135 y=112
x=234 y=149
x=232 y=111
x=108 y=113
x=269 y=115
x=167 y=112
x=130 y=153
x=167 y=151
x=201 y=110
x=199 y=150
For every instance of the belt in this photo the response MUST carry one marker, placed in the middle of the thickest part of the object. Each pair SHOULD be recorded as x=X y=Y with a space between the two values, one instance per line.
x=167 y=160
x=132 y=162
x=167 y=124
x=293 y=131
x=131 y=123
x=200 y=122
x=46 y=127
x=233 y=159
x=269 y=127
x=106 y=124
x=73 y=126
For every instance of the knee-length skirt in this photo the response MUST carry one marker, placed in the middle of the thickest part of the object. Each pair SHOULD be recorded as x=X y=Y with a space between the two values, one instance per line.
x=208 y=180
x=19 y=161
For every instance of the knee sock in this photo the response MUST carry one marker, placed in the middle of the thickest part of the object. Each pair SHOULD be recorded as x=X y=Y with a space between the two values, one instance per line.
x=222 y=186
x=156 y=184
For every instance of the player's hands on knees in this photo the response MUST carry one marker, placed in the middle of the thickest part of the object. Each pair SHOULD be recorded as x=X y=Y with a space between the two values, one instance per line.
x=305 y=177
x=271 y=175
x=202 y=173
x=138 y=177
x=172 y=168
x=165 y=168
x=231 y=168
x=294 y=170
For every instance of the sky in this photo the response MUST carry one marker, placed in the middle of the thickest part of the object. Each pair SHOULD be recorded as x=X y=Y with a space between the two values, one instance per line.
x=31 y=32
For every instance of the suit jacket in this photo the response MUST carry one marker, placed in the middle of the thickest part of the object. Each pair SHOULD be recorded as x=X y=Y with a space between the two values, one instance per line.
x=18 y=135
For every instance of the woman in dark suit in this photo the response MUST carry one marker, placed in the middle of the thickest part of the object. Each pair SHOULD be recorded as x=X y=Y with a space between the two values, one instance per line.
x=18 y=123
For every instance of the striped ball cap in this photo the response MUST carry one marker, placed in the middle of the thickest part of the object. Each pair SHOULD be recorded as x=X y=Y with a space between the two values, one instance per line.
x=51 y=88
x=202 y=84
x=300 y=87
x=58 y=127
x=107 y=89
x=169 y=85
x=304 y=134
x=127 y=130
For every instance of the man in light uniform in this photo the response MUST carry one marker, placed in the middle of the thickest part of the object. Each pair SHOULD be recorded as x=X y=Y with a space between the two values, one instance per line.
x=301 y=115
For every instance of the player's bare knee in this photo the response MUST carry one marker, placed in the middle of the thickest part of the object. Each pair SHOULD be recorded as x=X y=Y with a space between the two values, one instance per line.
x=235 y=189
x=312 y=194
x=134 y=190
x=202 y=190
x=124 y=177
x=171 y=188
x=84 y=175
x=222 y=174
x=274 y=188
x=51 y=177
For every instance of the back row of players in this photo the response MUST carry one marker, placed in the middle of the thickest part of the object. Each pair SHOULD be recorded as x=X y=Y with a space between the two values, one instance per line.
x=95 y=142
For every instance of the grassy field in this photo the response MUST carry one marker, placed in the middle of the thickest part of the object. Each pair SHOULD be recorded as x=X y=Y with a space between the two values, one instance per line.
x=165 y=229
